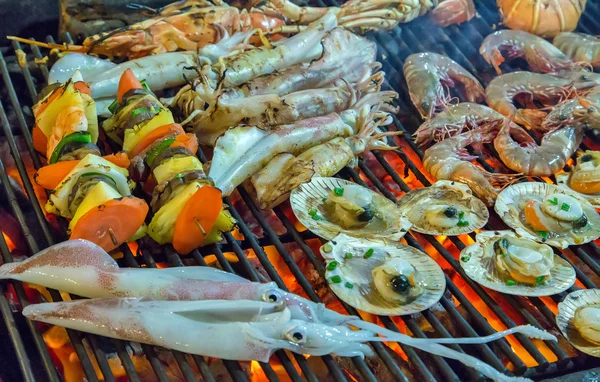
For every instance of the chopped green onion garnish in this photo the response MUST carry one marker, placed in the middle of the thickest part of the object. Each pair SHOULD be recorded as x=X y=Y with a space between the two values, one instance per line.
x=312 y=212
x=348 y=255
x=565 y=207
x=339 y=191
x=553 y=201
x=316 y=217
x=113 y=106
x=349 y=285
x=369 y=253
x=461 y=215
x=324 y=199
x=543 y=234
x=539 y=280
x=510 y=283
x=327 y=248
x=335 y=279
x=331 y=266
x=145 y=85
x=462 y=223
x=464 y=259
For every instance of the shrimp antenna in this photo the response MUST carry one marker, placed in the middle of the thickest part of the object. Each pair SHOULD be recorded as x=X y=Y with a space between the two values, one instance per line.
x=48 y=45
x=141 y=7
x=107 y=36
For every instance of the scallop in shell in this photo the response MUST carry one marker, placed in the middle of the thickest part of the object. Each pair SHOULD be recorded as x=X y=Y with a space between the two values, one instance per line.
x=445 y=208
x=584 y=177
x=578 y=319
x=548 y=214
x=386 y=279
x=501 y=261
x=330 y=206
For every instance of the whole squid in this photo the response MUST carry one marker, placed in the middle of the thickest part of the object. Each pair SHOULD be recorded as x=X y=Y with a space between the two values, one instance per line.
x=238 y=330
x=83 y=268
x=244 y=150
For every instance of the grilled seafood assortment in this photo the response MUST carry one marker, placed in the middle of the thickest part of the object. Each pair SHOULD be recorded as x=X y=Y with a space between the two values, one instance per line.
x=426 y=75
x=382 y=278
x=502 y=261
x=578 y=317
x=445 y=208
x=584 y=177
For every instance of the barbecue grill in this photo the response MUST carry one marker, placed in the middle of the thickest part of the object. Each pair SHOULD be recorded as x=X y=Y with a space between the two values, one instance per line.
x=276 y=247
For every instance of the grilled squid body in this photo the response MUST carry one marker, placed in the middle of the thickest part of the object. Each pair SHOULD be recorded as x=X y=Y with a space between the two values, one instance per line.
x=587 y=322
x=523 y=260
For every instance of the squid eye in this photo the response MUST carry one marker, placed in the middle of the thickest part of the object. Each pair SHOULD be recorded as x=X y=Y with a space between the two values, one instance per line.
x=272 y=295
x=297 y=335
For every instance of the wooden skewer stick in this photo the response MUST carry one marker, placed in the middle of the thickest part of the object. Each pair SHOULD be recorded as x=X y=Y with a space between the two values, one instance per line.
x=200 y=226
x=113 y=237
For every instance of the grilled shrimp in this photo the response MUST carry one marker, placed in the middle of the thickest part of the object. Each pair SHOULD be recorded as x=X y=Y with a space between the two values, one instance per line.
x=449 y=12
x=448 y=160
x=580 y=47
x=545 y=88
x=427 y=74
x=541 y=55
x=454 y=120
x=525 y=156
x=583 y=110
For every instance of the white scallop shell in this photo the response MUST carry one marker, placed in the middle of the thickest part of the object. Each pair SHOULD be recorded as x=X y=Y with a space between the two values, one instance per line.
x=310 y=196
x=512 y=199
x=358 y=270
x=476 y=261
x=566 y=313
x=443 y=192
x=562 y=180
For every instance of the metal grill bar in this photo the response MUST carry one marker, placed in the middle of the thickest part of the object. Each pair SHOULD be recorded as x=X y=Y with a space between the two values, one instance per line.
x=395 y=46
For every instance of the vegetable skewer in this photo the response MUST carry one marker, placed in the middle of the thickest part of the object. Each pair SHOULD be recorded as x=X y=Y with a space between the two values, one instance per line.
x=188 y=210
x=91 y=190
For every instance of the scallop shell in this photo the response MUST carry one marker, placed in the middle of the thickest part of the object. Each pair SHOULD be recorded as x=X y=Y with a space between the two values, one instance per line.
x=476 y=260
x=562 y=180
x=510 y=202
x=566 y=312
x=357 y=270
x=412 y=206
x=309 y=196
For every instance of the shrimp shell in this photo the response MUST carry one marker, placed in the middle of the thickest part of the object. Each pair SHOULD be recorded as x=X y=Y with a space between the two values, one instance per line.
x=541 y=56
x=427 y=74
x=502 y=90
x=580 y=47
x=448 y=160
x=544 y=160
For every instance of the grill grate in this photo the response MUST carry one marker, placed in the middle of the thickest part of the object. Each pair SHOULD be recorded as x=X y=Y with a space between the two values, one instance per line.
x=471 y=310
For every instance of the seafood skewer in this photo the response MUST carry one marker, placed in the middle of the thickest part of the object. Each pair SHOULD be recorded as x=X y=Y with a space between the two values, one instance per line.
x=244 y=150
x=580 y=47
x=502 y=91
x=246 y=330
x=427 y=74
x=448 y=160
x=198 y=26
x=541 y=55
x=526 y=157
